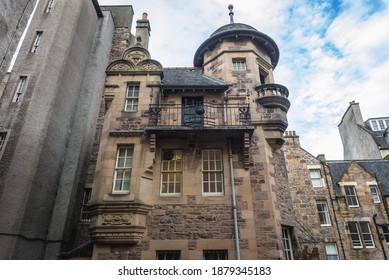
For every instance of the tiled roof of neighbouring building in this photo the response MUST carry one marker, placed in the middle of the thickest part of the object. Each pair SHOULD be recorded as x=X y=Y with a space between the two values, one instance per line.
x=190 y=78
x=377 y=168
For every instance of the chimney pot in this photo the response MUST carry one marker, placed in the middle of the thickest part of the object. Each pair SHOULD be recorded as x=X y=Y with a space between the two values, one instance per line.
x=144 y=16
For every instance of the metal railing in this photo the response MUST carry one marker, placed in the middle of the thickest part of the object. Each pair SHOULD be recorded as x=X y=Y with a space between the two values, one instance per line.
x=198 y=115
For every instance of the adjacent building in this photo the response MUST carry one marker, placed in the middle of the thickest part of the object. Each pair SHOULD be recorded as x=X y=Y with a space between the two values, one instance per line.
x=363 y=139
x=341 y=206
x=49 y=109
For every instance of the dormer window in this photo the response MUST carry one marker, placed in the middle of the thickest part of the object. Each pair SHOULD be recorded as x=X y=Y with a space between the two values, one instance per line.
x=379 y=124
x=239 y=64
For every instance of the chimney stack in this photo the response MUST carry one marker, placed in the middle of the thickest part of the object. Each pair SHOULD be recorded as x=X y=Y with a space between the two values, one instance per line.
x=142 y=31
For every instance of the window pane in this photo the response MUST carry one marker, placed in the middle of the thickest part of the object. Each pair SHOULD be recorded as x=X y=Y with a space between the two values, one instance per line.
x=354 y=233
x=171 y=173
x=366 y=235
x=351 y=196
x=215 y=255
x=385 y=229
x=315 y=177
x=168 y=255
x=288 y=253
x=212 y=171
x=123 y=169
x=374 y=194
x=332 y=251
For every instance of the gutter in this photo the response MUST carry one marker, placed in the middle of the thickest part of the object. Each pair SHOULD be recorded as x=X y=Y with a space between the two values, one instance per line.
x=236 y=230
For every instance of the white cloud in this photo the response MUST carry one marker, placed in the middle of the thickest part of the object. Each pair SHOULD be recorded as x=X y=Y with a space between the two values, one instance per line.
x=332 y=52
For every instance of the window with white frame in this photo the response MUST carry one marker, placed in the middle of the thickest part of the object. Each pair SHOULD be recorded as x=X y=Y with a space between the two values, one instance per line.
x=123 y=169
x=215 y=255
x=85 y=213
x=168 y=255
x=360 y=234
x=239 y=64
x=315 y=175
x=374 y=194
x=37 y=41
x=49 y=6
x=379 y=124
x=332 y=251
x=287 y=241
x=385 y=229
x=212 y=166
x=3 y=136
x=132 y=97
x=324 y=216
x=171 y=172
x=351 y=196
x=19 y=90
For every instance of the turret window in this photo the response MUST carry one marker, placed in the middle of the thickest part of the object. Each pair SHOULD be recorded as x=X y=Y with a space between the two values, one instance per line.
x=239 y=64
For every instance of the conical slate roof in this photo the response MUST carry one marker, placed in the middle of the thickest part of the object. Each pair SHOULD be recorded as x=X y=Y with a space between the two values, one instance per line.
x=238 y=30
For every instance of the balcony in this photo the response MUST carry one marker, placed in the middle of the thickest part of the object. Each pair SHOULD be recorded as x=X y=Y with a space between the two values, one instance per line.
x=273 y=96
x=199 y=116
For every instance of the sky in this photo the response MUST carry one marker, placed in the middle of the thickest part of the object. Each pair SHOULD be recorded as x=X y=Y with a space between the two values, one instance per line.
x=331 y=53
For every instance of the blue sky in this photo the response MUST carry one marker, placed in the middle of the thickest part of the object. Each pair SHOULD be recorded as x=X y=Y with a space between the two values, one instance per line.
x=331 y=53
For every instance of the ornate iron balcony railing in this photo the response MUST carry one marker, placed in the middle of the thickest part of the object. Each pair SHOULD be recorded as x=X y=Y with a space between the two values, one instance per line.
x=198 y=115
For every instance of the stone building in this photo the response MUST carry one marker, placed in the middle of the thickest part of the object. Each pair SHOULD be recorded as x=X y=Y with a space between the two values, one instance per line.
x=341 y=207
x=189 y=164
x=361 y=195
x=178 y=162
x=363 y=139
x=316 y=215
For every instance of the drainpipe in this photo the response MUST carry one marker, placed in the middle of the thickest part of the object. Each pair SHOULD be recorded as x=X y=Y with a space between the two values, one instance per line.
x=234 y=202
x=225 y=105
x=333 y=208
x=384 y=201
x=379 y=235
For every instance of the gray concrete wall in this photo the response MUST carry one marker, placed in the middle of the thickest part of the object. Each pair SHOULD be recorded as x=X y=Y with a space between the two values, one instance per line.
x=51 y=128
x=357 y=142
x=13 y=19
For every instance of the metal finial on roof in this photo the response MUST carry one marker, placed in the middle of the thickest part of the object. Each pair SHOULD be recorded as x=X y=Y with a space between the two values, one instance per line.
x=231 y=7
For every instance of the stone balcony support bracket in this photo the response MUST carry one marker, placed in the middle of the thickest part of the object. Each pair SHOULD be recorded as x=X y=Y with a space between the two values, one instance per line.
x=117 y=222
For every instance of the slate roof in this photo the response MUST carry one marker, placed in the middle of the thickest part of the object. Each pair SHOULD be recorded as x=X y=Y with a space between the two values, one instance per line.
x=233 y=27
x=190 y=78
x=378 y=168
x=238 y=30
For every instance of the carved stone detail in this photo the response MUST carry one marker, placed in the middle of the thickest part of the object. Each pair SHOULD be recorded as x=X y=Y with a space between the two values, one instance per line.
x=149 y=67
x=117 y=219
x=136 y=56
x=121 y=67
